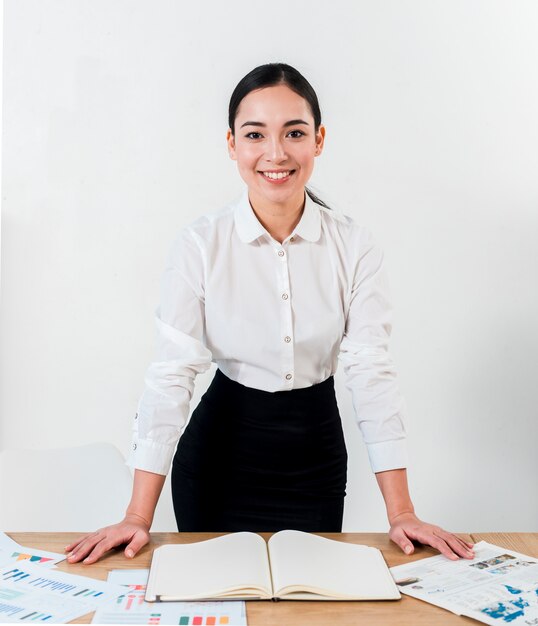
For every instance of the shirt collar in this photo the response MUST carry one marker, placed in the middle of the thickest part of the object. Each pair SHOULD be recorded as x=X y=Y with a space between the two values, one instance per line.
x=249 y=227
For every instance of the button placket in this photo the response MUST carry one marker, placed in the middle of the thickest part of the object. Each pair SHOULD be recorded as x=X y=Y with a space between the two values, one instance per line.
x=286 y=319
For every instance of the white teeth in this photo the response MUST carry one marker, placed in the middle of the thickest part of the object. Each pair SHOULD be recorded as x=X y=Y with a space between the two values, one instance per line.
x=276 y=176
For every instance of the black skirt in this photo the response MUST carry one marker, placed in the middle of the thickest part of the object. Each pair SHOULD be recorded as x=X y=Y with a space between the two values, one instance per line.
x=261 y=461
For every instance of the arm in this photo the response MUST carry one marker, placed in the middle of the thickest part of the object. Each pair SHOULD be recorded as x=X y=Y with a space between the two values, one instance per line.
x=405 y=525
x=132 y=530
x=379 y=406
x=164 y=406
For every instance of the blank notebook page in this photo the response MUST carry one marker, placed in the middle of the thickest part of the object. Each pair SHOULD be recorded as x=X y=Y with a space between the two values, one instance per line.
x=341 y=569
x=208 y=567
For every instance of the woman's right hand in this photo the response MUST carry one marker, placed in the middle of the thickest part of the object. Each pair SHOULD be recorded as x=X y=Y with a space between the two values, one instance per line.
x=133 y=530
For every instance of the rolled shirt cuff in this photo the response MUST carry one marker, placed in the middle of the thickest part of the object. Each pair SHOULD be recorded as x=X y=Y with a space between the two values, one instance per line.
x=150 y=456
x=388 y=455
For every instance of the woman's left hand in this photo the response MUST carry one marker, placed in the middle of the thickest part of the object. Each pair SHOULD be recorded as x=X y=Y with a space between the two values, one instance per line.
x=406 y=527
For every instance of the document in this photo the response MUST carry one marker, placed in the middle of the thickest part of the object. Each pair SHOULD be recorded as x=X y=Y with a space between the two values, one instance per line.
x=292 y=565
x=22 y=605
x=30 y=592
x=498 y=586
x=131 y=608
x=11 y=552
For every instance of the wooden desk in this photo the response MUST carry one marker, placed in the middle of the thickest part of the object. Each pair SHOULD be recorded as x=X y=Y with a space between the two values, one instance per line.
x=405 y=612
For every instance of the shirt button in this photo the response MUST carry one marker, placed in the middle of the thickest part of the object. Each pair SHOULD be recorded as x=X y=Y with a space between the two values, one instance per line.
x=288 y=377
x=134 y=446
x=292 y=239
x=287 y=339
x=136 y=416
x=284 y=296
x=281 y=253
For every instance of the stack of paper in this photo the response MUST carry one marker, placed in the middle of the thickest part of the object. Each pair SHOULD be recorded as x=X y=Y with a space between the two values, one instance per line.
x=31 y=591
x=131 y=608
x=497 y=586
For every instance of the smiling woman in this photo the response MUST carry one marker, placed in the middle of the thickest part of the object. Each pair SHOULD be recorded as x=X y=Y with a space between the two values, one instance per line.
x=276 y=160
x=274 y=288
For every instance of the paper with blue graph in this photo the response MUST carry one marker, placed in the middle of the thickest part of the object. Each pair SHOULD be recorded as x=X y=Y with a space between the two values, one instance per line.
x=497 y=587
x=31 y=593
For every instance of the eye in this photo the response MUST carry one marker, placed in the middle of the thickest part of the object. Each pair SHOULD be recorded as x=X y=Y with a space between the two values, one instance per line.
x=301 y=134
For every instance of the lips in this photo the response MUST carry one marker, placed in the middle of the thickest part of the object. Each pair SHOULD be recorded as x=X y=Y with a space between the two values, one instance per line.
x=279 y=179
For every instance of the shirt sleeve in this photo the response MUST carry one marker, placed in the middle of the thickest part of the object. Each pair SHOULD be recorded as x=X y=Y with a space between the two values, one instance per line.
x=368 y=367
x=180 y=354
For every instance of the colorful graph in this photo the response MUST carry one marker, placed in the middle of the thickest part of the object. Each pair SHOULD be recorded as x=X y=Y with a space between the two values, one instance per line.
x=13 y=610
x=15 y=574
x=131 y=608
x=199 y=620
x=33 y=558
x=35 y=616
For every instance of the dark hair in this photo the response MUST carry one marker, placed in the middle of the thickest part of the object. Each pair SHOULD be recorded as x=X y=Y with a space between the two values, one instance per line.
x=269 y=75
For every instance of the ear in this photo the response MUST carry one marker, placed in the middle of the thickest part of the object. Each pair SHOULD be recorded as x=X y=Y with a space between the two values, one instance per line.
x=230 y=140
x=320 y=139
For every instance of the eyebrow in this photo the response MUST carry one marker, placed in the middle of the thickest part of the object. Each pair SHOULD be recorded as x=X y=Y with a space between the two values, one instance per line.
x=290 y=123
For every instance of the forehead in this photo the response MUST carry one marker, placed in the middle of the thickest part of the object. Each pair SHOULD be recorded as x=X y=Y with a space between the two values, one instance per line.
x=278 y=104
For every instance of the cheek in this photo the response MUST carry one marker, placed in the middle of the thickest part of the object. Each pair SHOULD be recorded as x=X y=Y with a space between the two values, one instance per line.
x=306 y=158
x=247 y=158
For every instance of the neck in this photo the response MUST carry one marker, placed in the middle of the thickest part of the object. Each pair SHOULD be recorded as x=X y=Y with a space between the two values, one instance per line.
x=278 y=219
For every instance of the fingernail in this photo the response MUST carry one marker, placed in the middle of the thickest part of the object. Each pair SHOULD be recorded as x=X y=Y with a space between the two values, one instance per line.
x=407 y=549
x=130 y=554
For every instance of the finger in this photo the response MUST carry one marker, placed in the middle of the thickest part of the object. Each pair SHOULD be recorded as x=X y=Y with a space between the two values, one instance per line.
x=77 y=542
x=400 y=538
x=459 y=546
x=467 y=544
x=103 y=546
x=430 y=539
x=138 y=541
x=83 y=548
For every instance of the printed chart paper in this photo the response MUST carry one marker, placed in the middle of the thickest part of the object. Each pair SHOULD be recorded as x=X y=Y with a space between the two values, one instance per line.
x=30 y=592
x=11 y=551
x=497 y=587
x=19 y=605
x=131 y=608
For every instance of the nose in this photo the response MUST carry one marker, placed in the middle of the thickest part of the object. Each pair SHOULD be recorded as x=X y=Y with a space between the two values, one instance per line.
x=276 y=151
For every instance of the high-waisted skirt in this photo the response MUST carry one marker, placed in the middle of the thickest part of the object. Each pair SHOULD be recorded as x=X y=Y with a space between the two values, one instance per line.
x=259 y=461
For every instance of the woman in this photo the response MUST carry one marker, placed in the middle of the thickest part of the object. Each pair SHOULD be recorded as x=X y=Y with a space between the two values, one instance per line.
x=273 y=288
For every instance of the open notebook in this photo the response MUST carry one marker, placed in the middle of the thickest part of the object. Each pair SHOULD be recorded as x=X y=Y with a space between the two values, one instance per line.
x=292 y=565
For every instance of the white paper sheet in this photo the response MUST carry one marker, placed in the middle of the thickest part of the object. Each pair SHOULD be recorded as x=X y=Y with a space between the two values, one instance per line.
x=498 y=586
x=7 y=543
x=11 y=551
x=131 y=608
x=54 y=596
x=20 y=605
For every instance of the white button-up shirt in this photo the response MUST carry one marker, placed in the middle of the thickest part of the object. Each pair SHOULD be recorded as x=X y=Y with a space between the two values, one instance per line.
x=273 y=316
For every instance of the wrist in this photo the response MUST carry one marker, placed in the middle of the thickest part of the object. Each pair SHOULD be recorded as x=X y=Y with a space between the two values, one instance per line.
x=130 y=516
x=400 y=514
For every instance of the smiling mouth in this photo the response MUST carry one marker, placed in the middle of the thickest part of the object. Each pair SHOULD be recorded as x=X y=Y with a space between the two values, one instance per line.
x=277 y=176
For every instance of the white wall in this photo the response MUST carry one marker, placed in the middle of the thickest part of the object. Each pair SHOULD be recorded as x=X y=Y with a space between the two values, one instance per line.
x=115 y=115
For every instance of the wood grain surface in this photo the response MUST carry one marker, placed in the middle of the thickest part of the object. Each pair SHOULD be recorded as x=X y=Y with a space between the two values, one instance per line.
x=405 y=612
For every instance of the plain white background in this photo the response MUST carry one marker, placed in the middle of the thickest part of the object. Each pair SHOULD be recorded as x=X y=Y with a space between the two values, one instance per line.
x=114 y=122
